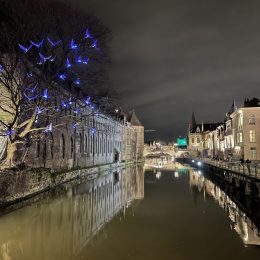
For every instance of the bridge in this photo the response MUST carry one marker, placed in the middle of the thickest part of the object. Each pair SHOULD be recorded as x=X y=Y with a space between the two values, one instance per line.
x=159 y=150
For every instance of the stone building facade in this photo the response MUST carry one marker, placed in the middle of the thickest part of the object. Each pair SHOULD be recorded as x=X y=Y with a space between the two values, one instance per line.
x=238 y=137
x=94 y=140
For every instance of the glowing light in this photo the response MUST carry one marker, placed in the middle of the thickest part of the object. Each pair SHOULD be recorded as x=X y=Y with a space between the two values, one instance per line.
x=158 y=175
x=23 y=48
x=74 y=126
x=85 y=61
x=45 y=93
x=176 y=174
x=37 y=45
x=1 y=68
x=53 y=44
x=79 y=59
x=193 y=161
x=199 y=163
x=87 y=101
x=88 y=35
x=43 y=58
x=73 y=45
x=62 y=76
x=93 y=131
x=94 y=44
x=30 y=98
x=76 y=111
x=48 y=128
x=68 y=64
x=39 y=110
x=77 y=81
x=63 y=104
x=9 y=132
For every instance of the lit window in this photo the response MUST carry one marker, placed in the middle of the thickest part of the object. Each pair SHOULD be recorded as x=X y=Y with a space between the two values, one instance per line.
x=252 y=136
x=253 y=153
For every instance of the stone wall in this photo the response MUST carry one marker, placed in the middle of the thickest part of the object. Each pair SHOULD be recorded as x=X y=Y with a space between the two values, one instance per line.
x=94 y=140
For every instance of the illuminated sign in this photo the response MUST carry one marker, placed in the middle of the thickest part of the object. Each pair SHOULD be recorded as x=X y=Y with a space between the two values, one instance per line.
x=182 y=142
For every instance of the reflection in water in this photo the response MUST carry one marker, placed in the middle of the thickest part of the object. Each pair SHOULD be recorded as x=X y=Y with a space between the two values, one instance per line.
x=59 y=227
x=239 y=221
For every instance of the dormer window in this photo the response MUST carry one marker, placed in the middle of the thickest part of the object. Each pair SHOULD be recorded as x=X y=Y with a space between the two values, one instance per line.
x=252 y=120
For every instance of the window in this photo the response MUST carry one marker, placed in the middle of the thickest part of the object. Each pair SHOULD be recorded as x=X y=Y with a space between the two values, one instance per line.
x=71 y=147
x=239 y=137
x=253 y=153
x=63 y=146
x=86 y=144
x=252 y=120
x=80 y=143
x=192 y=140
x=38 y=144
x=252 y=136
x=240 y=122
x=198 y=140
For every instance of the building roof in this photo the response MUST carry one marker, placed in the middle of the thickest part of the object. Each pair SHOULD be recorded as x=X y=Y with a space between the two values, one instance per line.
x=204 y=127
x=254 y=102
x=133 y=119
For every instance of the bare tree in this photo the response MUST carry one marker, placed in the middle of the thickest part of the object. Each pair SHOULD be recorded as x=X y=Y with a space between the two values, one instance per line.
x=51 y=57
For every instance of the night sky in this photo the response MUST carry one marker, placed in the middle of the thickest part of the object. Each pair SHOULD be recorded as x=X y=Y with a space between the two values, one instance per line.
x=172 y=57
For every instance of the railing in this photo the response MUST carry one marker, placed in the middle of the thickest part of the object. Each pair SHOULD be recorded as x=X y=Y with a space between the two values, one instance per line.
x=252 y=170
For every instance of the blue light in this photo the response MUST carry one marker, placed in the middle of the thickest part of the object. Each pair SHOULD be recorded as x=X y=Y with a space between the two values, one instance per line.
x=30 y=98
x=63 y=104
x=74 y=125
x=76 y=111
x=94 y=44
x=45 y=93
x=53 y=44
x=73 y=45
x=87 y=101
x=88 y=35
x=86 y=61
x=37 y=45
x=68 y=64
x=1 y=68
x=79 y=59
x=93 y=131
x=77 y=81
x=9 y=132
x=48 y=128
x=62 y=76
x=23 y=48
x=38 y=110
x=199 y=163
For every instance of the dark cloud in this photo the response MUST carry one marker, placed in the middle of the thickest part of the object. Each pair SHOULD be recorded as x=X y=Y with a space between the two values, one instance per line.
x=172 y=57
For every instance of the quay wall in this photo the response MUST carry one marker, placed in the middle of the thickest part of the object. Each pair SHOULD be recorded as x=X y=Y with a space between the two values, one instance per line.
x=246 y=182
x=19 y=185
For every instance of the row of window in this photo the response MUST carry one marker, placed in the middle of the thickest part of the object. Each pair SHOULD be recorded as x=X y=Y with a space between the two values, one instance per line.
x=90 y=145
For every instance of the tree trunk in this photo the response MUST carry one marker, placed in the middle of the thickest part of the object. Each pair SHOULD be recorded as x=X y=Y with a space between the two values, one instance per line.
x=9 y=160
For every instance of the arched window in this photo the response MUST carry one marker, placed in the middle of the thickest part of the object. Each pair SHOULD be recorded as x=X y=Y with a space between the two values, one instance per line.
x=86 y=143
x=38 y=148
x=51 y=145
x=62 y=146
x=71 y=147
x=80 y=143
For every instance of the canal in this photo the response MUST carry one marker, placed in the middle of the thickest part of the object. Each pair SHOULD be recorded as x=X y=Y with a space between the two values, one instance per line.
x=135 y=213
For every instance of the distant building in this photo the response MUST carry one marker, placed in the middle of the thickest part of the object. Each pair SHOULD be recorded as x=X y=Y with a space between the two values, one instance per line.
x=238 y=137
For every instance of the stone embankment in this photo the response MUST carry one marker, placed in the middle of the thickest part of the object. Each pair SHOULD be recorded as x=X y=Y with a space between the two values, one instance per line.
x=242 y=177
x=22 y=184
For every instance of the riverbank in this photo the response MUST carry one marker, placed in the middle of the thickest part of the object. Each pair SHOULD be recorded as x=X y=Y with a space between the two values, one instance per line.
x=17 y=186
x=247 y=182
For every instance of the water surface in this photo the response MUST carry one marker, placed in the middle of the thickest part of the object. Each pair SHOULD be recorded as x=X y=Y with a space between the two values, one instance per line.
x=133 y=214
